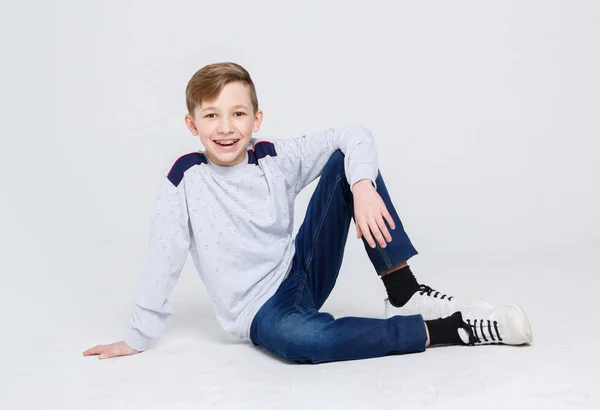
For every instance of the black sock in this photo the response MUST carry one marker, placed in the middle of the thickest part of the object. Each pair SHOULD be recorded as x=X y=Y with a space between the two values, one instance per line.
x=444 y=331
x=400 y=285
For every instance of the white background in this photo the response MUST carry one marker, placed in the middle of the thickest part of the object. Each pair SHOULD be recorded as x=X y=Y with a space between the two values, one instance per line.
x=486 y=120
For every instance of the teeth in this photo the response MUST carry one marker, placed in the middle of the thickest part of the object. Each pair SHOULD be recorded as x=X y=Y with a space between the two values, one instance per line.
x=228 y=142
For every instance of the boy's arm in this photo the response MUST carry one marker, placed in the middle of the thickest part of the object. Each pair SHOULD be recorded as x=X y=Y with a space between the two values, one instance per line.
x=168 y=247
x=303 y=158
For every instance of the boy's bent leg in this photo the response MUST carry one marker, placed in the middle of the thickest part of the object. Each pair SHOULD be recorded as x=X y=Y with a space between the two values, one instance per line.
x=321 y=239
x=289 y=327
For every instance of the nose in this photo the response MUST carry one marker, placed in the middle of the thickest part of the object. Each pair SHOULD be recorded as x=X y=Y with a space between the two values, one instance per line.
x=225 y=126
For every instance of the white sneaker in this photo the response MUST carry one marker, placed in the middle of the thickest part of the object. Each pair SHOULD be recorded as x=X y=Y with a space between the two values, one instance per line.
x=432 y=304
x=503 y=325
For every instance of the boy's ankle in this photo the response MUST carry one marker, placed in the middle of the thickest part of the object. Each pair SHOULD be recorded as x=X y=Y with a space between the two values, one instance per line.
x=395 y=268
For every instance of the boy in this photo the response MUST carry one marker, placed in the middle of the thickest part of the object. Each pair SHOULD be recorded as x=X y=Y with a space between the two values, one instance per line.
x=231 y=207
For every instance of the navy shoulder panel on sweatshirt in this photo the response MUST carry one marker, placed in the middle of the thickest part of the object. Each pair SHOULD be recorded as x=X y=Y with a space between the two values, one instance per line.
x=182 y=164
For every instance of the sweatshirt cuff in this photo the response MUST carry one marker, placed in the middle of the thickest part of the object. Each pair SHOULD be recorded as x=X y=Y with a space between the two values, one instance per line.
x=364 y=170
x=136 y=340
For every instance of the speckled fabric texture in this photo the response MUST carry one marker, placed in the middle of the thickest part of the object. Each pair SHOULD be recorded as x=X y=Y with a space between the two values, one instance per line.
x=237 y=224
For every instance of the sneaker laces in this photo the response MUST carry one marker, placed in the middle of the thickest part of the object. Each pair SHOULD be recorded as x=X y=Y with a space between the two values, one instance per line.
x=478 y=329
x=426 y=289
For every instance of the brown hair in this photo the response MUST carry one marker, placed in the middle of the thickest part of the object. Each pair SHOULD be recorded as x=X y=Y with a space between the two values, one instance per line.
x=207 y=83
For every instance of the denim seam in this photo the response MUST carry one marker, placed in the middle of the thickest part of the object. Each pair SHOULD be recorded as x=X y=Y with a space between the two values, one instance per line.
x=312 y=251
x=300 y=292
x=385 y=258
x=300 y=276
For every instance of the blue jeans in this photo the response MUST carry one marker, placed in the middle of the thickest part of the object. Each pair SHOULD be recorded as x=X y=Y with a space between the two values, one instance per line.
x=290 y=325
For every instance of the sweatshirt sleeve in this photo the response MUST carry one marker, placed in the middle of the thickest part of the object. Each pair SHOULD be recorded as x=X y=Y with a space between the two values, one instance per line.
x=303 y=158
x=167 y=252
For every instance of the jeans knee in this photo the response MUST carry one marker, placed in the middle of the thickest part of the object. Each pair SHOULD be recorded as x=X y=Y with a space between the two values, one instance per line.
x=306 y=342
x=335 y=162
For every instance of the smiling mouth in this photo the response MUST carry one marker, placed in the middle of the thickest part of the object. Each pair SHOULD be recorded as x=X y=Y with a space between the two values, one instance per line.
x=226 y=143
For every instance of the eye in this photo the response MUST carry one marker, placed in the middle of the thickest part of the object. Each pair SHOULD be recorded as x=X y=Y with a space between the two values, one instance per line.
x=239 y=112
x=207 y=115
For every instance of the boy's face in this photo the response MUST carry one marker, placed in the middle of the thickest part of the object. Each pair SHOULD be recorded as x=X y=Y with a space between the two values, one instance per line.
x=229 y=118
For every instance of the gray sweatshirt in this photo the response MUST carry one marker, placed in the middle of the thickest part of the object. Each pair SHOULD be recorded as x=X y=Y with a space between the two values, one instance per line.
x=236 y=222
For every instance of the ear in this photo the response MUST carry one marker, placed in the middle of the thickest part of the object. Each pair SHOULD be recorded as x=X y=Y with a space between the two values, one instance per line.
x=189 y=122
x=257 y=121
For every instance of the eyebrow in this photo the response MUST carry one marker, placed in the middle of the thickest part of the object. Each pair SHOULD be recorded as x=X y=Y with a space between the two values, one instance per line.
x=215 y=108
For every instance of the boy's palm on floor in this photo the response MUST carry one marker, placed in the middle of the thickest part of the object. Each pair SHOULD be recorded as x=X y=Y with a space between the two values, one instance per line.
x=111 y=350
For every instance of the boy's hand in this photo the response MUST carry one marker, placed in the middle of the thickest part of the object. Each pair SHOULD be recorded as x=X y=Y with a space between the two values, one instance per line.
x=111 y=350
x=369 y=211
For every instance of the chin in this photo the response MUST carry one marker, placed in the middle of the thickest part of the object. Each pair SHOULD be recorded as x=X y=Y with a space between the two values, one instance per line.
x=229 y=158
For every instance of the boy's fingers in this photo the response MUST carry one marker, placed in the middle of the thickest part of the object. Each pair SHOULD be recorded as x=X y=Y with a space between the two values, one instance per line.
x=92 y=350
x=377 y=234
x=384 y=229
x=389 y=218
x=367 y=235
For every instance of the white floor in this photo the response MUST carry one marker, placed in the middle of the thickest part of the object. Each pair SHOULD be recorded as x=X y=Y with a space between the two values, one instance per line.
x=196 y=365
